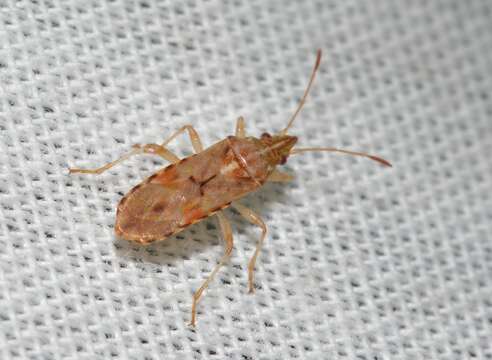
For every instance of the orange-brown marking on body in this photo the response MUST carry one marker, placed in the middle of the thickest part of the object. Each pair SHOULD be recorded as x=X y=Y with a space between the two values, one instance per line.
x=198 y=214
x=192 y=212
x=192 y=215
x=167 y=175
x=151 y=177
x=220 y=207
x=186 y=159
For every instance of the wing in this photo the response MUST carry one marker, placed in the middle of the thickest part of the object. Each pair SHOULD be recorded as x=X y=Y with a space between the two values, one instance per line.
x=152 y=211
x=182 y=194
x=168 y=201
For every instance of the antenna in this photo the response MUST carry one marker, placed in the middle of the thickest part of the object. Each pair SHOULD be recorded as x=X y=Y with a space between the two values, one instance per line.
x=372 y=157
x=303 y=99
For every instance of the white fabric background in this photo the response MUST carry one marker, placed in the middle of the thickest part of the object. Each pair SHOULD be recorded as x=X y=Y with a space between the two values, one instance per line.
x=361 y=261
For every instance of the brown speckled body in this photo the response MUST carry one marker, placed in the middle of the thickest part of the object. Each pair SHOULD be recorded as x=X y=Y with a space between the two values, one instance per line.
x=194 y=188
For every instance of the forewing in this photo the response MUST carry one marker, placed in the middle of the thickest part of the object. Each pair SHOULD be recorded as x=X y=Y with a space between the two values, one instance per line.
x=152 y=211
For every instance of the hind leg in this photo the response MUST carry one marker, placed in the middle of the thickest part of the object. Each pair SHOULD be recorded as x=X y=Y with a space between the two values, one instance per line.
x=225 y=227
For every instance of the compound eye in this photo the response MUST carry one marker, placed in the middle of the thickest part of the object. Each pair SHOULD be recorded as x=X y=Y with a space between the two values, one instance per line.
x=266 y=136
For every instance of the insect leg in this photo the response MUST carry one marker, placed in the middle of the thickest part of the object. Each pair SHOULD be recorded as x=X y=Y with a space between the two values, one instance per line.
x=159 y=150
x=279 y=176
x=194 y=138
x=225 y=227
x=240 y=131
x=253 y=218
x=137 y=149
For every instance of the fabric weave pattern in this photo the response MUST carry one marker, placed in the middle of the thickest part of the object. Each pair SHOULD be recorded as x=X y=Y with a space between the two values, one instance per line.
x=361 y=262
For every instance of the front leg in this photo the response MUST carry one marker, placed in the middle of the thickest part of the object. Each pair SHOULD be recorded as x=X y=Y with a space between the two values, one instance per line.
x=154 y=149
x=253 y=218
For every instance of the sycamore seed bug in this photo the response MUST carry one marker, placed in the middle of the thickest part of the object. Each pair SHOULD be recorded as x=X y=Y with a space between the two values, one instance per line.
x=201 y=185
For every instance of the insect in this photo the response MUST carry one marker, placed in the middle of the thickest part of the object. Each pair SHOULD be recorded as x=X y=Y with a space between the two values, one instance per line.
x=201 y=185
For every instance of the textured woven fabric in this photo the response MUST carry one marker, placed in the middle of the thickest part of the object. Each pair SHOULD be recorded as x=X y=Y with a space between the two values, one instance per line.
x=361 y=261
